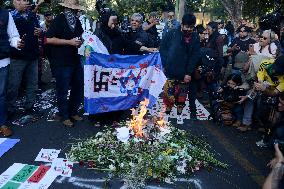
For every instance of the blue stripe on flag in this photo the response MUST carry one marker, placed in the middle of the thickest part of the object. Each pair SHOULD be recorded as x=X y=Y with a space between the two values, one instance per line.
x=100 y=105
x=123 y=61
x=7 y=145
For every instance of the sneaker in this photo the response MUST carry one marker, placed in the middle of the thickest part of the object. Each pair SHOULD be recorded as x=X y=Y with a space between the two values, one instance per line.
x=77 y=118
x=68 y=123
x=179 y=120
x=261 y=144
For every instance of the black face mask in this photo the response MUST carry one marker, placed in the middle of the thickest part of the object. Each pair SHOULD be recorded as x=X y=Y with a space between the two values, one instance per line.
x=243 y=37
x=186 y=33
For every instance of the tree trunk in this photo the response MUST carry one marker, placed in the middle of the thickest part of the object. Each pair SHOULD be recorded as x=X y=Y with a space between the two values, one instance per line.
x=181 y=6
x=234 y=8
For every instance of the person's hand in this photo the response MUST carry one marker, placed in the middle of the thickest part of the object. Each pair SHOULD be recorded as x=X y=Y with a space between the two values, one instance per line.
x=259 y=86
x=40 y=2
x=278 y=157
x=37 y=31
x=251 y=50
x=235 y=47
x=20 y=44
x=75 y=42
x=220 y=90
x=187 y=78
x=153 y=50
x=242 y=99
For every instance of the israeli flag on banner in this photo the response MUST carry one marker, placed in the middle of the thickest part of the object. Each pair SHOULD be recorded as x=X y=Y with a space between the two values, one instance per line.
x=120 y=82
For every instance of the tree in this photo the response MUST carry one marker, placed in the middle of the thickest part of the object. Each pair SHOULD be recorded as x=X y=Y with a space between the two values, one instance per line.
x=234 y=9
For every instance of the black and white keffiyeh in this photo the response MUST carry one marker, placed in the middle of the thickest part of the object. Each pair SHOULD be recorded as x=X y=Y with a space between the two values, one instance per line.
x=71 y=19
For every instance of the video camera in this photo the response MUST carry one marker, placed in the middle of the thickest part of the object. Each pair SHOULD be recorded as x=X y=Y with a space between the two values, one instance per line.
x=229 y=95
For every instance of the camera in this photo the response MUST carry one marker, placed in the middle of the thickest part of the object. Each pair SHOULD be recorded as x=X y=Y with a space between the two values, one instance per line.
x=232 y=95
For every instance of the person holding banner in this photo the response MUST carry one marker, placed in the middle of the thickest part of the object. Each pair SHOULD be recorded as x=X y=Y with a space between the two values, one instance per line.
x=64 y=38
x=138 y=41
x=180 y=51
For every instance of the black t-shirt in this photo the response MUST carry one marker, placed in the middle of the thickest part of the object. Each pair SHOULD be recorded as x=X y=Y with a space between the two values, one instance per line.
x=244 y=45
x=63 y=55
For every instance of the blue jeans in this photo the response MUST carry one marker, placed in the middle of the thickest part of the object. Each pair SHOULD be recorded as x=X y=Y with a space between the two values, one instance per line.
x=238 y=112
x=3 y=86
x=18 y=70
x=248 y=111
x=69 y=77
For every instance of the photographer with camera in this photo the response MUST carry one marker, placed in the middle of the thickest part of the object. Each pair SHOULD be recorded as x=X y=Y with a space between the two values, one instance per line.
x=228 y=97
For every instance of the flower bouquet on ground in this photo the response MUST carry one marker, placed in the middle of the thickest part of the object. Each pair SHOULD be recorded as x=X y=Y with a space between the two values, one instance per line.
x=145 y=149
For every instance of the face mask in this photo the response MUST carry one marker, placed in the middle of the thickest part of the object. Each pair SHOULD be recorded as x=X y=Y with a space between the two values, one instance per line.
x=186 y=33
x=243 y=37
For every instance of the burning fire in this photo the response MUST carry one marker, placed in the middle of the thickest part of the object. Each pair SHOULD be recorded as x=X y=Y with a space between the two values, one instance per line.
x=137 y=123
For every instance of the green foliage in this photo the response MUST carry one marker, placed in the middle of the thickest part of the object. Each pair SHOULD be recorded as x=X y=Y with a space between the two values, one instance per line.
x=257 y=8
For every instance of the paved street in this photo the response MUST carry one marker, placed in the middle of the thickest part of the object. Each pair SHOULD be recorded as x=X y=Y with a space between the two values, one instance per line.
x=246 y=161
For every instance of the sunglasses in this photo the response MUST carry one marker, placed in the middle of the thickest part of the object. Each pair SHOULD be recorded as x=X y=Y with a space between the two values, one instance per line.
x=242 y=31
x=263 y=37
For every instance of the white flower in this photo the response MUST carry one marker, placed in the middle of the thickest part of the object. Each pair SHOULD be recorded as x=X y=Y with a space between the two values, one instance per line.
x=121 y=165
x=181 y=167
x=168 y=180
x=137 y=140
x=123 y=134
x=99 y=134
x=189 y=158
x=164 y=131
x=112 y=167
x=131 y=164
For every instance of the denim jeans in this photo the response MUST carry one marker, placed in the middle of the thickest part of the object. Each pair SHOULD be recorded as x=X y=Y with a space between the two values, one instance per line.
x=18 y=70
x=238 y=112
x=69 y=77
x=248 y=111
x=3 y=87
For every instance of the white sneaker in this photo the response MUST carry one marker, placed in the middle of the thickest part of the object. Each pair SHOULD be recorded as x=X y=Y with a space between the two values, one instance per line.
x=179 y=120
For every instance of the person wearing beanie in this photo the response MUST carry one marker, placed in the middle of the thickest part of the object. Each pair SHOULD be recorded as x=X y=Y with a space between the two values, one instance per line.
x=180 y=51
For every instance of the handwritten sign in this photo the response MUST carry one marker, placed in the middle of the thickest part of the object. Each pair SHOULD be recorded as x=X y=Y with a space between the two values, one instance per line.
x=62 y=167
x=47 y=155
x=39 y=174
x=24 y=173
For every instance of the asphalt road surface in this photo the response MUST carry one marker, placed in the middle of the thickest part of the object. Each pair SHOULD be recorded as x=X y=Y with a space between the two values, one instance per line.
x=247 y=162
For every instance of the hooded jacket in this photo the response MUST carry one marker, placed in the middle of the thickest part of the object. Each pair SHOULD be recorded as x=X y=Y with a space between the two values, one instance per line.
x=178 y=57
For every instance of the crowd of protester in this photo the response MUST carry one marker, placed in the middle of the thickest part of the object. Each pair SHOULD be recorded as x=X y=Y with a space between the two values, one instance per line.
x=237 y=66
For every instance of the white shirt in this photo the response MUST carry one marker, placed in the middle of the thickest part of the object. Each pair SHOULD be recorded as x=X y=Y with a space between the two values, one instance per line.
x=14 y=37
x=265 y=50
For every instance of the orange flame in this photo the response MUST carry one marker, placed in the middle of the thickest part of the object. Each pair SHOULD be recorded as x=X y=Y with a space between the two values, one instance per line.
x=137 y=122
